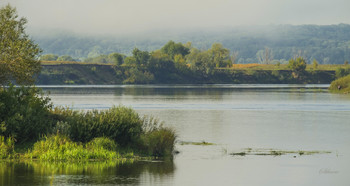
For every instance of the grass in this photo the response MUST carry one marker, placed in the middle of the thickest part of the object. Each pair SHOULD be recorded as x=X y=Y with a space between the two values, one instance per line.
x=59 y=147
x=275 y=152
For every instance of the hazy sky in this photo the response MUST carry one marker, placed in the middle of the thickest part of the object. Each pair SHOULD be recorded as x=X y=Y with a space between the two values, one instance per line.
x=121 y=16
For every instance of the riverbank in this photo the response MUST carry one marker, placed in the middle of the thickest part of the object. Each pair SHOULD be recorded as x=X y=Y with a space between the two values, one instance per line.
x=341 y=85
x=64 y=73
x=59 y=133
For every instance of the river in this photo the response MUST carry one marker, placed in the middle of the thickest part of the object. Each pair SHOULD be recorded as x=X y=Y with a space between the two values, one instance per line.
x=232 y=117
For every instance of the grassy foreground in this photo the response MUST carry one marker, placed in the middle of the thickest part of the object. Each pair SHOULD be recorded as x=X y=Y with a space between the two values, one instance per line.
x=31 y=128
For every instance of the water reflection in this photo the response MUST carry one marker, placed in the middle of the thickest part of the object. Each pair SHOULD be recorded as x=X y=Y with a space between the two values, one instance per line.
x=86 y=173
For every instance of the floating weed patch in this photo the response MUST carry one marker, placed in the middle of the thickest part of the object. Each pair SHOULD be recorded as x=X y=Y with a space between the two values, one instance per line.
x=274 y=152
x=195 y=143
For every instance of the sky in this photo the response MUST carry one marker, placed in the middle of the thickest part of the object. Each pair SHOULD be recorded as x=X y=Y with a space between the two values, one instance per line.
x=137 y=16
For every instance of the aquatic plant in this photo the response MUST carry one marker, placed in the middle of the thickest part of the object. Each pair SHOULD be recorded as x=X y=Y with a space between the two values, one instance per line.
x=59 y=147
x=157 y=140
x=275 y=152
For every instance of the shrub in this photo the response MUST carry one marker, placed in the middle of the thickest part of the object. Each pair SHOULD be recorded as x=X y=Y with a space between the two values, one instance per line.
x=157 y=140
x=297 y=65
x=341 y=85
x=121 y=124
x=24 y=113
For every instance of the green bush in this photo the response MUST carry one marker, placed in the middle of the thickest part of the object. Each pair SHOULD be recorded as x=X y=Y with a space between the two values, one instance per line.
x=341 y=85
x=7 y=147
x=121 y=124
x=24 y=113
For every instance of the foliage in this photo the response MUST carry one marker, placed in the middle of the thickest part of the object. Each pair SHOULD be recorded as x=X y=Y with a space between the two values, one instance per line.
x=49 y=57
x=172 y=49
x=59 y=147
x=298 y=64
x=65 y=58
x=24 y=113
x=18 y=53
x=138 y=76
x=341 y=85
x=7 y=147
x=121 y=124
x=341 y=72
x=157 y=140
x=102 y=142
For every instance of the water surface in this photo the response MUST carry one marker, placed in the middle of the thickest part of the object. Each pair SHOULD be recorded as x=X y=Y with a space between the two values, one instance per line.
x=285 y=117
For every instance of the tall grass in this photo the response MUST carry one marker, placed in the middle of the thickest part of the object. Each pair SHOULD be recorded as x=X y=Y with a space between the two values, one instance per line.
x=121 y=124
x=157 y=140
x=7 y=147
x=59 y=147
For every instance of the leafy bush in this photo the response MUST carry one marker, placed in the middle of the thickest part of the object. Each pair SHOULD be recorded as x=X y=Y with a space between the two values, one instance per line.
x=341 y=85
x=24 y=113
x=7 y=147
x=298 y=64
x=121 y=124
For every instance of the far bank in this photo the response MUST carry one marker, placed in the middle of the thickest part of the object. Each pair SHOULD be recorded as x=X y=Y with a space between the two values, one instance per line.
x=106 y=74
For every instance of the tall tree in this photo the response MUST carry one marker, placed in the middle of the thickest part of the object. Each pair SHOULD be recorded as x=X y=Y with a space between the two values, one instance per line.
x=173 y=49
x=18 y=53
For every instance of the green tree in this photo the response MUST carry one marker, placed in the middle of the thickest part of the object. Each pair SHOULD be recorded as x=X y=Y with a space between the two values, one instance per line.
x=297 y=65
x=116 y=58
x=49 y=57
x=219 y=55
x=65 y=58
x=141 y=57
x=172 y=49
x=18 y=53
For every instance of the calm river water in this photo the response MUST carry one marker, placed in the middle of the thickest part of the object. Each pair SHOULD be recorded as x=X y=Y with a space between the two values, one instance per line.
x=233 y=117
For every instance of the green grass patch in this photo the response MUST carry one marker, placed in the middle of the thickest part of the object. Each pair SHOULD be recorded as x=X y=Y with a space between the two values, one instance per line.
x=59 y=147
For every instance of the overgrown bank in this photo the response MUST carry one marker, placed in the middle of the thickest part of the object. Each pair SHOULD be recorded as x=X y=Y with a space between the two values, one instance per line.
x=341 y=85
x=85 y=74
x=27 y=117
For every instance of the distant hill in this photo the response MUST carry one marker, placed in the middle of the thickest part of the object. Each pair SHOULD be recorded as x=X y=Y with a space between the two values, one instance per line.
x=328 y=44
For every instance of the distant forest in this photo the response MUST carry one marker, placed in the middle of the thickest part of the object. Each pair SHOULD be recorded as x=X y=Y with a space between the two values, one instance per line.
x=329 y=44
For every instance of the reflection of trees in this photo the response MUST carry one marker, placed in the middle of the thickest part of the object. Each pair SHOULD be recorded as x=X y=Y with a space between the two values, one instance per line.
x=171 y=93
x=108 y=172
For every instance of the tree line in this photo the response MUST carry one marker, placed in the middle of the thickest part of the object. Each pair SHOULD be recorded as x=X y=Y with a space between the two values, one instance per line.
x=328 y=44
